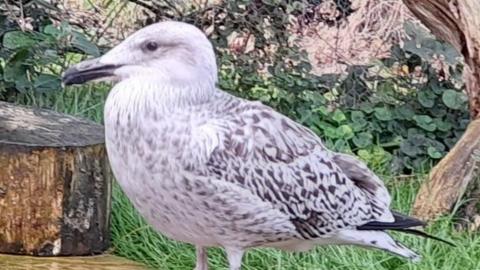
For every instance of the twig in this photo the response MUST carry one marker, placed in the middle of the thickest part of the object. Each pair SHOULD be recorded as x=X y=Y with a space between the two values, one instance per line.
x=179 y=13
x=145 y=5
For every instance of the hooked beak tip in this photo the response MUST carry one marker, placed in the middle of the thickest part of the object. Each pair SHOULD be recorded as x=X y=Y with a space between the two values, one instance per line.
x=86 y=71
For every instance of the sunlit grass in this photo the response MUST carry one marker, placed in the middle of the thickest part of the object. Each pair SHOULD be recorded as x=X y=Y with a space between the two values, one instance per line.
x=134 y=239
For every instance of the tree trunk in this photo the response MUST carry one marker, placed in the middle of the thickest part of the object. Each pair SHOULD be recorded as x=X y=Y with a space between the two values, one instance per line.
x=458 y=23
x=55 y=184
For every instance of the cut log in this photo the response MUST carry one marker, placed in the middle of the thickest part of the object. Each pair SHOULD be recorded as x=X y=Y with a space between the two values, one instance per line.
x=458 y=23
x=103 y=262
x=55 y=184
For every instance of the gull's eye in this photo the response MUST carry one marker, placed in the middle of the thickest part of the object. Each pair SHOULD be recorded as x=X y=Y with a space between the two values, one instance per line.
x=151 y=46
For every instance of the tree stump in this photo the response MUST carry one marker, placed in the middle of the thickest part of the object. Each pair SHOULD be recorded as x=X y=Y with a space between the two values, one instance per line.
x=458 y=23
x=55 y=184
x=103 y=262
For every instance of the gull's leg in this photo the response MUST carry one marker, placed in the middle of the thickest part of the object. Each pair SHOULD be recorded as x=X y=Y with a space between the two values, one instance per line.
x=202 y=262
x=234 y=256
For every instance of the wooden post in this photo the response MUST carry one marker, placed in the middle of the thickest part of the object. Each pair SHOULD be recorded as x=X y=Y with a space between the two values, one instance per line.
x=456 y=22
x=55 y=184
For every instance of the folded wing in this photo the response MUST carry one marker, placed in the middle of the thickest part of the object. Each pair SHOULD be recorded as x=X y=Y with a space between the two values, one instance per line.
x=286 y=164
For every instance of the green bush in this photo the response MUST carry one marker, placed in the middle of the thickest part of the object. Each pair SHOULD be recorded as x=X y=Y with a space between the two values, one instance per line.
x=31 y=61
x=409 y=131
x=392 y=122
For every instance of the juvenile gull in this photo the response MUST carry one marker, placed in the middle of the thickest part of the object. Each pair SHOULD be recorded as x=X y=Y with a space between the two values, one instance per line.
x=210 y=169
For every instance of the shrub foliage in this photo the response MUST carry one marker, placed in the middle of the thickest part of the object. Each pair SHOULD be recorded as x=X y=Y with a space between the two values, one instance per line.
x=399 y=114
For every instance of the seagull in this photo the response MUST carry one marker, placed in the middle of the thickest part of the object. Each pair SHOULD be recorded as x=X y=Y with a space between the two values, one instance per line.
x=210 y=169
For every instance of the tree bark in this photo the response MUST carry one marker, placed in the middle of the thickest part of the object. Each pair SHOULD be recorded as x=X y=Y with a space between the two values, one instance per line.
x=458 y=23
x=55 y=184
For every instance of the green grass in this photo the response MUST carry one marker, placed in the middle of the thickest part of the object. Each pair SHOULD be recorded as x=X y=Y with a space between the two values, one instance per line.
x=134 y=239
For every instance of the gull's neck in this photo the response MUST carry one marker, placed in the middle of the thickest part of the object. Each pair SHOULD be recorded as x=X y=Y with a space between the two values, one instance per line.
x=136 y=95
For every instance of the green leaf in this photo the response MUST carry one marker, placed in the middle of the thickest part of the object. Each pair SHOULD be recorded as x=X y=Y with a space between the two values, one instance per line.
x=344 y=131
x=363 y=139
x=364 y=155
x=427 y=99
x=454 y=99
x=425 y=122
x=47 y=82
x=357 y=121
x=18 y=39
x=341 y=146
x=13 y=72
x=339 y=116
x=434 y=153
x=322 y=109
x=409 y=148
x=82 y=43
x=383 y=114
x=22 y=84
x=367 y=108
x=52 y=30
x=357 y=116
x=442 y=125
x=404 y=112
x=330 y=132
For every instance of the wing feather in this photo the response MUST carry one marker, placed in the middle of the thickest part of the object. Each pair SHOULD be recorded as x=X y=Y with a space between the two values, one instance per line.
x=286 y=164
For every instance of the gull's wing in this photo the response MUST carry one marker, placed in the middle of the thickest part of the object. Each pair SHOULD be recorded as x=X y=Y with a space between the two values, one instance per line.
x=286 y=164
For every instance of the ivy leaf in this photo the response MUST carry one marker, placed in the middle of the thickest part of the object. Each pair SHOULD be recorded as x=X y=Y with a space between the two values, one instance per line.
x=363 y=139
x=383 y=114
x=330 y=132
x=425 y=122
x=344 y=131
x=358 y=121
x=454 y=99
x=367 y=108
x=409 y=148
x=357 y=116
x=434 y=153
x=364 y=155
x=442 y=125
x=341 y=145
x=339 y=116
x=426 y=98
x=404 y=112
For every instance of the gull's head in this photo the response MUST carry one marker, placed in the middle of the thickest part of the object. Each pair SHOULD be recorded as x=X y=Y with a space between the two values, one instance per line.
x=165 y=52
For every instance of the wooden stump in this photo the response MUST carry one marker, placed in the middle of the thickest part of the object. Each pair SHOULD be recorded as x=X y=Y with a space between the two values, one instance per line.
x=103 y=262
x=55 y=184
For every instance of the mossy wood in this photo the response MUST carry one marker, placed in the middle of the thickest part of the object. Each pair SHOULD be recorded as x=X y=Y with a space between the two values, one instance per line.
x=55 y=184
x=456 y=22
x=103 y=262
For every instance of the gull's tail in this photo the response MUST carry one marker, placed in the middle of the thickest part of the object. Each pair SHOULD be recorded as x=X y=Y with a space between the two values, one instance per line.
x=373 y=235
x=402 y=223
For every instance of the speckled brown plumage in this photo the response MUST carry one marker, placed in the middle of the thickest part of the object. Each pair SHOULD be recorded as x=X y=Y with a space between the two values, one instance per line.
x=210 y=169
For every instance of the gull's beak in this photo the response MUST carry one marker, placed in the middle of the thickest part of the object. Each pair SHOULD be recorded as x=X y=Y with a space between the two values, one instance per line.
x=88 y=70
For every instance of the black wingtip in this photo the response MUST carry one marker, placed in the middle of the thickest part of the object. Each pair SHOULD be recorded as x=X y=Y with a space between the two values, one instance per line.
x=402 y=223
x=426 y=235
